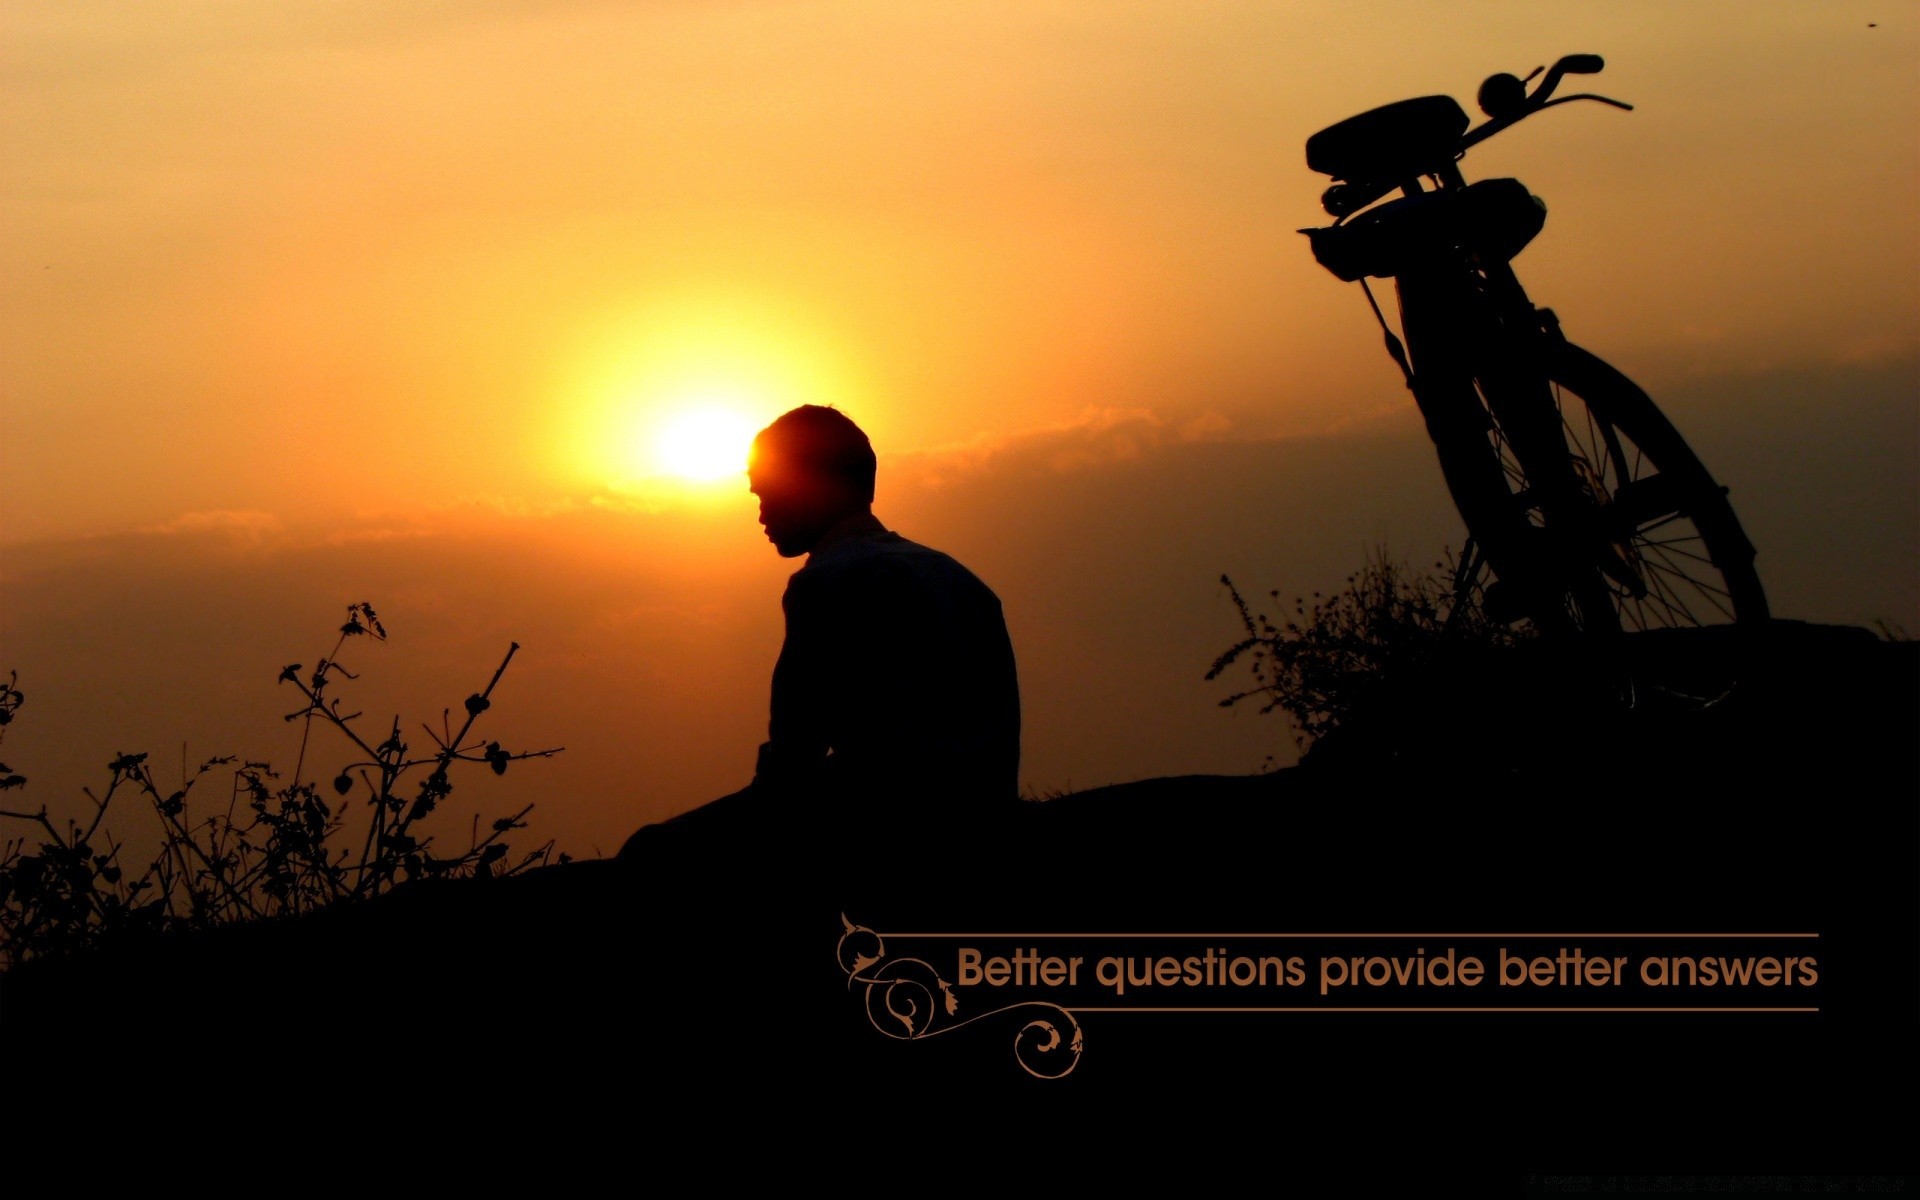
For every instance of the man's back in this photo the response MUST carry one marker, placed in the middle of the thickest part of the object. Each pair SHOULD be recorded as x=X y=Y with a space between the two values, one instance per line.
x=897 y=679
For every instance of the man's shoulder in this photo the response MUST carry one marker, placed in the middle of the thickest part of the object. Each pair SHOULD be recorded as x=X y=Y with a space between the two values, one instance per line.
x=880 y=560
x=863 y=551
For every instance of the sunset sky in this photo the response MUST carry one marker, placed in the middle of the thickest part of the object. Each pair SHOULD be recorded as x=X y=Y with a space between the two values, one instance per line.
x=312 y=303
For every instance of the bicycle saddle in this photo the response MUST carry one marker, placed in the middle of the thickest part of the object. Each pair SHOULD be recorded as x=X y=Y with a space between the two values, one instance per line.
x=1392 y=142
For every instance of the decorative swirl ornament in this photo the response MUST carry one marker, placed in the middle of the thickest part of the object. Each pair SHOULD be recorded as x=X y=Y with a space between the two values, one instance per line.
x=906 y=999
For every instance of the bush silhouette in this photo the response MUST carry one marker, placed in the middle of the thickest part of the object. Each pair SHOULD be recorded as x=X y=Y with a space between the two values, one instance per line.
x=277 y=846
x=1327 y=662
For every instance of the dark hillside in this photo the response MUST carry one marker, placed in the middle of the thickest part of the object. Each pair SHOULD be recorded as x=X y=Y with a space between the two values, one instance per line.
x=1718 y=782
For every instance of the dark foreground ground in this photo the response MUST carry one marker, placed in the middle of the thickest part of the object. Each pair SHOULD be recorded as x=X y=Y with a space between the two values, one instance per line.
x=700 y=1004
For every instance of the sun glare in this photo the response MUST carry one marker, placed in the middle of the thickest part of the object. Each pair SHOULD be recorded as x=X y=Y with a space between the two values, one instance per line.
x=703 y=445
x=663 y=399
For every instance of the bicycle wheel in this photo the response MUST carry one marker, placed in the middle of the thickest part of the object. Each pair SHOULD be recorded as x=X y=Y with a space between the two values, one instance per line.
x=1638 y=534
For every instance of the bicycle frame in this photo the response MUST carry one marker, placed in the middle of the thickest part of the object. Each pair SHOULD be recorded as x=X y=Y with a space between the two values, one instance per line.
x=1475 y=346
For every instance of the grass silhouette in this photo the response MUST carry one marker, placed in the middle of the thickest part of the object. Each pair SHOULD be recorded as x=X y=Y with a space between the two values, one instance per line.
x=274 y=845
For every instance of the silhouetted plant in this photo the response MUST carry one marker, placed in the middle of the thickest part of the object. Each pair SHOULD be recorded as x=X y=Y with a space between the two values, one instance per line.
x=278 y=848
x=1331 y=658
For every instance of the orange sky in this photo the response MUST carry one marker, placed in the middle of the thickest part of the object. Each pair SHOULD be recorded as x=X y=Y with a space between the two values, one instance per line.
x=320 y=303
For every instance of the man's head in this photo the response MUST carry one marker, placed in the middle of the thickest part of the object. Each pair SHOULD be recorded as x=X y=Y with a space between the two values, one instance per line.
x=812 y=469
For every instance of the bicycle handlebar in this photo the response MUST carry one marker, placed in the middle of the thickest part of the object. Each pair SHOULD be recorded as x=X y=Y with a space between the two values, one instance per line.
x=1572 y=64
x=1504 y=98
x=1503 y=109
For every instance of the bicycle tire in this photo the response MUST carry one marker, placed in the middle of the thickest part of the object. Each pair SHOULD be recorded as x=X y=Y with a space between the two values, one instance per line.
x=1641 y=536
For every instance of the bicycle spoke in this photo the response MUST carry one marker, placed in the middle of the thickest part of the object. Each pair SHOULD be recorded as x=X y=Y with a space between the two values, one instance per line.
x=1675 y=608
x=1675 y=547
x=1630 y=607
x=1670 y=616
x=1681 y=571
x=1668 y=547
x=1642 y=530
x=1648 y=619
x=1516 y=478
x=1692 y=537
x=1710 y=594
x=1659 y=595
x=1661 y=580
x=1707 y=594
x=1675 y=569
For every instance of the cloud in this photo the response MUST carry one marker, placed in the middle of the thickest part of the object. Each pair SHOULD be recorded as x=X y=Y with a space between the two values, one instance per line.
x=257 y=529
x=1097 y=437
x=1206 y=427
x=242 y=525
x=374 y=533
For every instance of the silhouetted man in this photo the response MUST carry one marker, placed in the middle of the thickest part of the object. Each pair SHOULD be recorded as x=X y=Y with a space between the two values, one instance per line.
x=895 y=699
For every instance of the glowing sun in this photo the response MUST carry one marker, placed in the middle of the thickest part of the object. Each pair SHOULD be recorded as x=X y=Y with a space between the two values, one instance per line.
x=703 y=445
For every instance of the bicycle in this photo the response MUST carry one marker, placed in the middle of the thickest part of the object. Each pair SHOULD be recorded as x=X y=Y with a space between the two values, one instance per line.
x=1586 y=505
